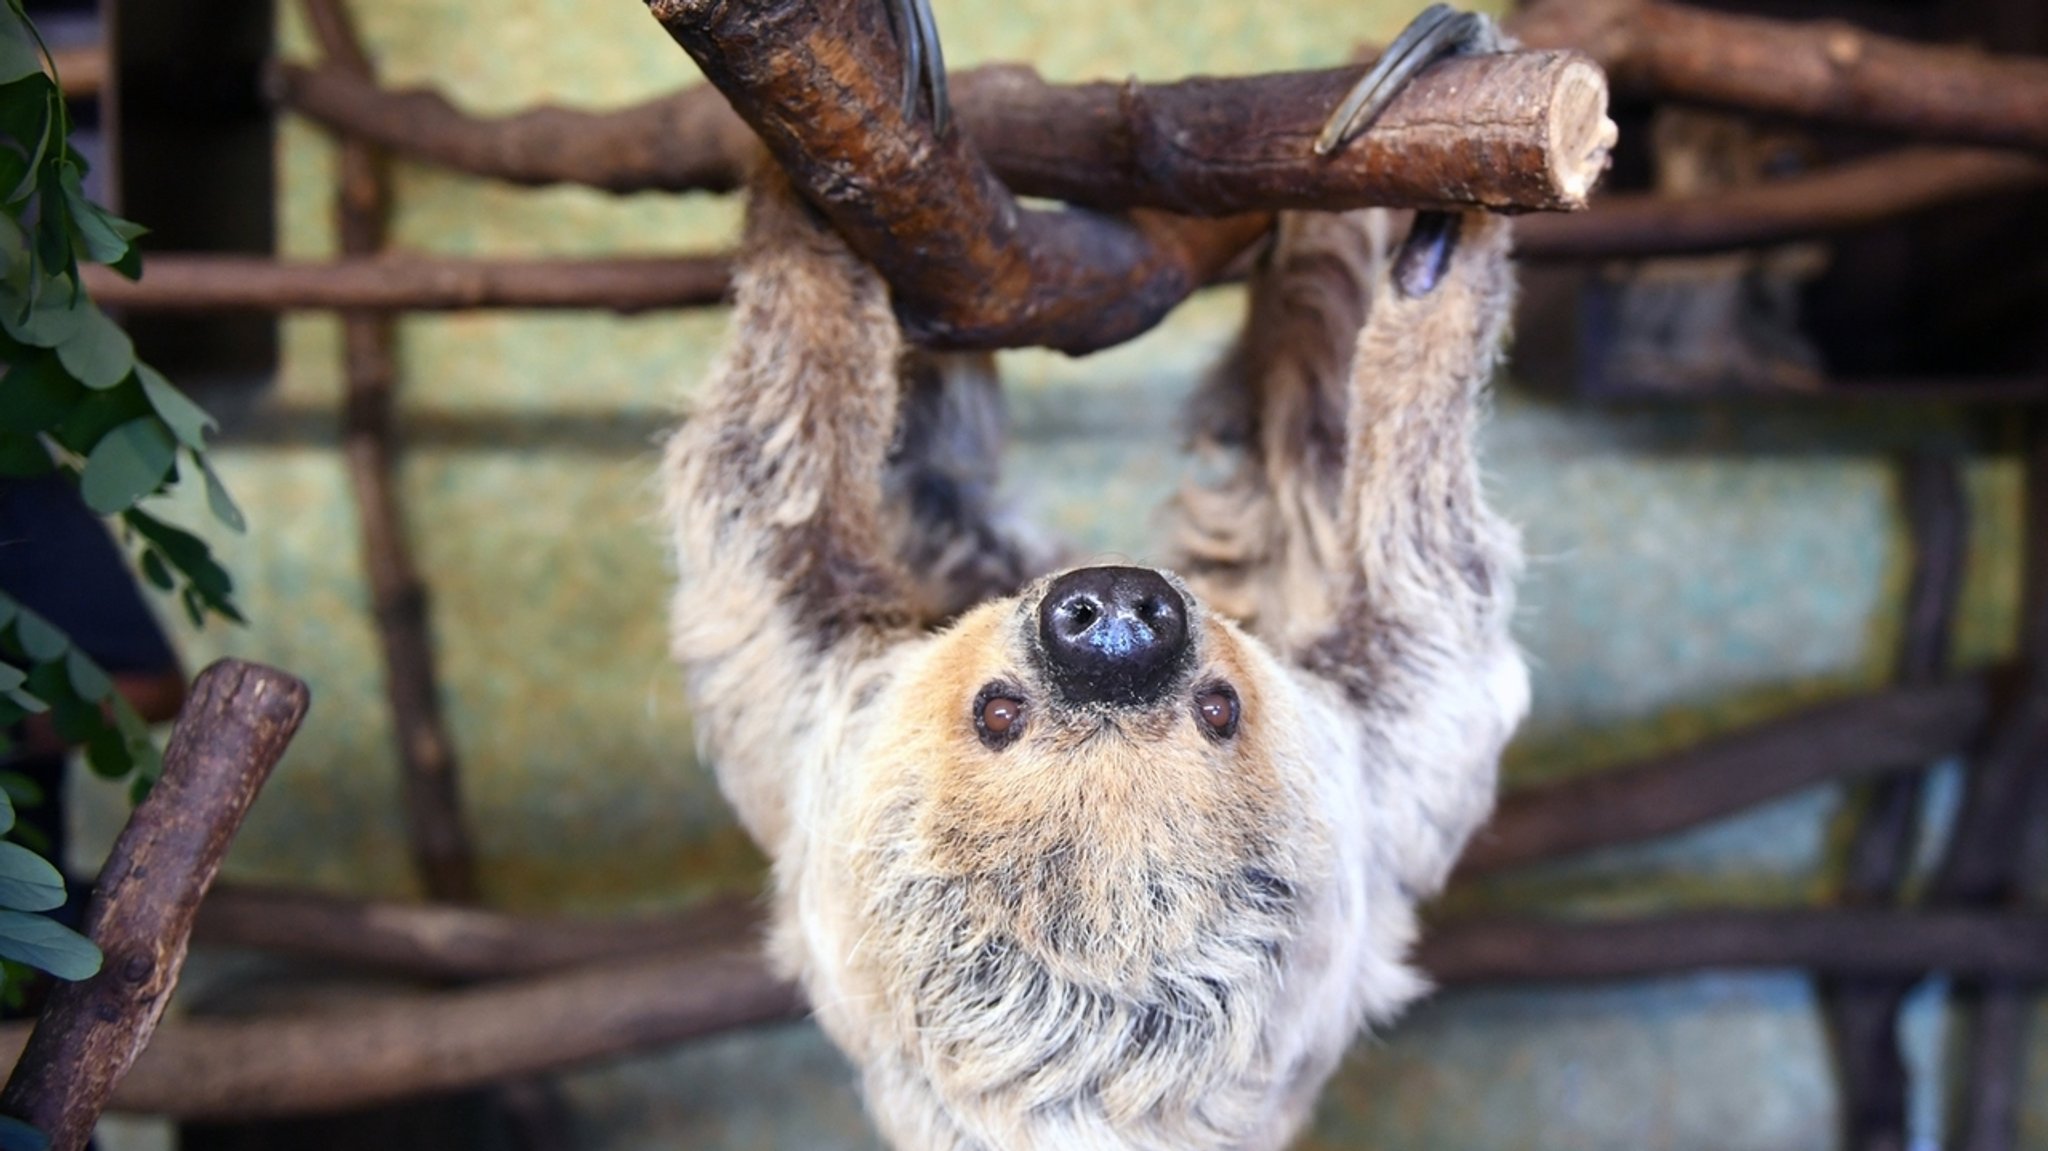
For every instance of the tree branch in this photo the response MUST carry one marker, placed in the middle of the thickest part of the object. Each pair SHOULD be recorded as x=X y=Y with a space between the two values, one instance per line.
x=1842 y=198
x=1882 y=731
x=1823 y=71
x=1471 y=130
x=408 y=1044
x=233 y=730
x=1861 y=942
x=433 y=804
x=396 y=282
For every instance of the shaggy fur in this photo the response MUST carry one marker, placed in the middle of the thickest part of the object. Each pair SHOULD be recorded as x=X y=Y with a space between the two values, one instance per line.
x=1119 y=931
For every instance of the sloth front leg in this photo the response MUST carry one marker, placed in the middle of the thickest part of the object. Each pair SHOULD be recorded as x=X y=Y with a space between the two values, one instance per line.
x=786 y=584
x=1421 y=646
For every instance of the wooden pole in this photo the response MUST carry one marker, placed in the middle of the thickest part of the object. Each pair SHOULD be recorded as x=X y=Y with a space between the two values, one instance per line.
x=233 y=730
x=433 y=802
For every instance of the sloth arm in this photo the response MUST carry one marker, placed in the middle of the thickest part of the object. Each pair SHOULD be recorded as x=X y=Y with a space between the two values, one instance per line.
x=1419 y=644
x=787 y=591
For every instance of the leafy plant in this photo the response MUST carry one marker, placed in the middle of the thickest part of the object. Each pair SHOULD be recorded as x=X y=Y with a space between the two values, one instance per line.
x=75 y=400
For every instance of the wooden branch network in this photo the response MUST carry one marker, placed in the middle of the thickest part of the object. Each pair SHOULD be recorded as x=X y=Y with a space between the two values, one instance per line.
x=396 y=282
x=440 y=843
x=233 y=730
x=1890 y=730
x=1493 y=130
x=407 y=1044
x=1826 y=71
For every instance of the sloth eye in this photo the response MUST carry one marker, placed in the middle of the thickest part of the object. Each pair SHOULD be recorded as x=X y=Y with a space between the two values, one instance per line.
x=998 y=715
x=1216 y=709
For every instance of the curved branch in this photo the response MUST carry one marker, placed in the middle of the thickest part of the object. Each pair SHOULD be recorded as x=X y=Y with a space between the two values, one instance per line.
x=233 y=730
x=1888 y=730
x=209 y=283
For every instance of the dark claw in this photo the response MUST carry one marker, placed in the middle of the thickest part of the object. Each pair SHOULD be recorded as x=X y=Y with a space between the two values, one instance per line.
x=1419 y=265
x=1438 y=32
x=924 y=65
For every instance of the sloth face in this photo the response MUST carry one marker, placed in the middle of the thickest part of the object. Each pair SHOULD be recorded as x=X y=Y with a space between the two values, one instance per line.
x=1097 y=772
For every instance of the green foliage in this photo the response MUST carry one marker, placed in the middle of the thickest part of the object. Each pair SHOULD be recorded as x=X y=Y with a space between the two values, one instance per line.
x=75 y=400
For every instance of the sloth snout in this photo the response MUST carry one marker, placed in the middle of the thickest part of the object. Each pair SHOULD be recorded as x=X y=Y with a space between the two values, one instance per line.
x=1112 y=635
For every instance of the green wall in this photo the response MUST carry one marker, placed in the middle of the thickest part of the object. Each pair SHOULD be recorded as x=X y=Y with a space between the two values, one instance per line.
x=1690 y=571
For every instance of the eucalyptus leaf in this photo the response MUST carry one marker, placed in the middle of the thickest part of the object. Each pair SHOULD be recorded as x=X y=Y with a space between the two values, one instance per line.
x=98 y=353
x=44 y=943
x=29 y=114
x=106 y=752
x=54 y=315
x=99 y=413
x=187 y=420
x=41 y=641
x=7 y=809
x=16 y=788
x=87 y=677
x=217 y=497
x=156 y=572
x=104 y=235
x=18 y=53
x=39 y=391
x=11 y=677
x=27 y=881
x=127 y=464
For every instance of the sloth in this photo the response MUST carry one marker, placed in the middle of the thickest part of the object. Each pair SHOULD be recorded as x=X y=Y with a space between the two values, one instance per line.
x=1111 y=857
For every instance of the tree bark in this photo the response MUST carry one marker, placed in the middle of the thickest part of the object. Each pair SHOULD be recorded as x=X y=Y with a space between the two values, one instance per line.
x=1890 y=730
x=1825 y=71
x=1472 y=130
x=386 y=283
x=233 y=730
x=433 y=802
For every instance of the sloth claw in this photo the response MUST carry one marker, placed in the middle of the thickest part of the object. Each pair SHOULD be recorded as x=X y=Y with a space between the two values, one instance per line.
x=1439 y=31
x=924 y=65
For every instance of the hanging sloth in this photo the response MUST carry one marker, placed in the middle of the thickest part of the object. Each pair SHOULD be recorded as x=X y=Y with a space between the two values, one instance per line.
x=1114 y=858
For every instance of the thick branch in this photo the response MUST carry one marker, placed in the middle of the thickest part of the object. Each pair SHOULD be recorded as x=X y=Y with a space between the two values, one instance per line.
x=405 y=1045
x=1825 y=71
x=231 y=733
x=205 y=283
x=445 y=942
x=433 y=805
x=1524 y=130
x=1883 y=731
x=1853 y=195
x=1841 y=942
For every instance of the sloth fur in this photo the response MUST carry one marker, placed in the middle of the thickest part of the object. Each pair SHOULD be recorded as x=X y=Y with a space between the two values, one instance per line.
x=1118 y=930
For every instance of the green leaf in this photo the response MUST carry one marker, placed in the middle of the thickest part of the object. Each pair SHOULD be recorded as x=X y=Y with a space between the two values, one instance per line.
x=40 y=640
x=7 y=808
x=97 y=414
x=11 y=677
x=127 y=464
x=209 y=587
x=154 y=570
x=23 y=456
x=187 y=420
x=98 y=353
x=103 y=235
x=54 y=315
x=106 y=752
x=87 y=677
x=27 y=115
x=39 y=392
x=18 y=54
x=42 y=942
x=16 y=1135
x=217 y=498
x=17 y=788
x=27 y=881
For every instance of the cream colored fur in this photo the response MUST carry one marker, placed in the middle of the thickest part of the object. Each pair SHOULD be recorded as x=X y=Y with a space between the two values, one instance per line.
x=1117 y=932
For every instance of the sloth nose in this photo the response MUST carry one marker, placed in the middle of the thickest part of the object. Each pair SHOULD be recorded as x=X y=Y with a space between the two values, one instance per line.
x=1112 y=635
